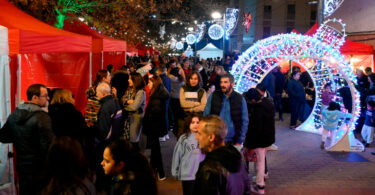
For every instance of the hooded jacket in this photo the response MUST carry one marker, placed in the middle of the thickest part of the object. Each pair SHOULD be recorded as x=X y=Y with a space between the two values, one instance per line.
x=30 y=129
x=222 y=172
x=261 y=131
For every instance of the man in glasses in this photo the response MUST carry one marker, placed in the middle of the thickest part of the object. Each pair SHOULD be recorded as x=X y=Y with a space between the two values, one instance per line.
x=29 y=129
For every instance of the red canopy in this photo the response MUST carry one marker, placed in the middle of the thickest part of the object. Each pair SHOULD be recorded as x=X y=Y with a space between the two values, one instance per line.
x=295 y=31
x=312 y=30
x=29 y=35
x=100 y=42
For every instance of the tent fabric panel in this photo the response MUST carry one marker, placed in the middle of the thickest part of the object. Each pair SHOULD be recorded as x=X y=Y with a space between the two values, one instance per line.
x=13 y=66
x=57 y=70
x=96 y=65
x=97 y=45
x=14 y=41
x=114 y=45
x=31 y=42
x=355 y=48
x=117 y=59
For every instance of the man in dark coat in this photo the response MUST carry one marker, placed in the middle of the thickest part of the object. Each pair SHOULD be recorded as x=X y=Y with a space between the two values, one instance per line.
x=260 y=134
x=223 y=171
x=297 y=98
x=199 y=68
x=29 y=128
x=106 y=129
x=162 y=72
x=279 y=87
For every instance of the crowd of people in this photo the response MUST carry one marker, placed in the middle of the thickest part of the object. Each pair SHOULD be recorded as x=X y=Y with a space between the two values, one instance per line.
x=59 y=150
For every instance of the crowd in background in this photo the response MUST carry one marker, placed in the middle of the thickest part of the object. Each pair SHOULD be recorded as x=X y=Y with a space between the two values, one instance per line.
x=63 y=151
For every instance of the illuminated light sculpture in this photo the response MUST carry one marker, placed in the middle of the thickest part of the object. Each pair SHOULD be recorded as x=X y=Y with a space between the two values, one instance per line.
x=190 y=39
x=331 y=6
x=231 y=19
x=179 y=45
x=216 y=32
x=201 y=30
x=257 y=61
x=172 y=43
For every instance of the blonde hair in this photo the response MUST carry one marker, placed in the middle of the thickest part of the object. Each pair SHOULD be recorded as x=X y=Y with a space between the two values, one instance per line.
x=62 y=96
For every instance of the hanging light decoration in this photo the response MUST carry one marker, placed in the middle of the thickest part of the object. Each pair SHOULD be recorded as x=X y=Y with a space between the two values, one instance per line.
x=201 y=29
x=216 y=32
x=179 y=45
x=231 y=18
x=190 y=39
x=330 y=6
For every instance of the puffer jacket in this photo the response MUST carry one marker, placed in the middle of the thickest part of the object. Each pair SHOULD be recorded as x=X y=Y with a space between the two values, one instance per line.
x=222 y=172
x=30 y=129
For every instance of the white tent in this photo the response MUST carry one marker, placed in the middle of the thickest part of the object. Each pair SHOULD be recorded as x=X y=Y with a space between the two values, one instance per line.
x=210 y=51
x=6 y=166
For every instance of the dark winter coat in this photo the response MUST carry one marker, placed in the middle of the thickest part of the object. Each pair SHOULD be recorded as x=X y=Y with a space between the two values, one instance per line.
x=107 y=118
x=222 y=172
x=296 y=91
x=154 y=121
x=204 y=77
x=279 y=83
x=29 y=128
x=261 y=131
x=67 y=121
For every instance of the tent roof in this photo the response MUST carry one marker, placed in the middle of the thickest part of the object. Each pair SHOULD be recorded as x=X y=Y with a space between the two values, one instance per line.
x=355 y=48
x=103 y=43
x=209 y=47
x=349 y=47
x=29 y=35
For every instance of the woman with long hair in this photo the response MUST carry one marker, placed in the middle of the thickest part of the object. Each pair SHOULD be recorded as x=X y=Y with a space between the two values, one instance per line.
x=130 y=170
x=66 y=119
x=187 y=155
x=154 y=122
x=67 y=169
x=192 y=96
x=134 y=101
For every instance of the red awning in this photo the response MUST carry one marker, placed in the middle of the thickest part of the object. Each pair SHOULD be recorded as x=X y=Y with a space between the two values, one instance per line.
x=100 y=41
x=29 y=35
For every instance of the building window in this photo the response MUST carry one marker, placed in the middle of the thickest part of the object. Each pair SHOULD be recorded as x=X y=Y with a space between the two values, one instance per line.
x=313 y=13
x=266 y=31
x=267 y=12
x=291 y=14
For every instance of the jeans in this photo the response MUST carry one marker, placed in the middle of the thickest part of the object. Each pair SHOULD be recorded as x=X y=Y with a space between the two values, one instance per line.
x=296 y=107
x=278 y=105
x=156 y=160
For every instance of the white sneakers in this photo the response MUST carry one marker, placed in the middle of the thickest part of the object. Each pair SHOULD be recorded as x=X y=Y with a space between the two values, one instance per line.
x=272 y=147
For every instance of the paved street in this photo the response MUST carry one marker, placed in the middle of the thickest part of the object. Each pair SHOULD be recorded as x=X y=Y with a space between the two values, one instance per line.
x=301 y=167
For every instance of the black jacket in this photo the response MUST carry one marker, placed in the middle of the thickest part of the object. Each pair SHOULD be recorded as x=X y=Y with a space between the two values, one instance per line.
x=67 y=121
x=107 y=117
x=30 y=129
x=154 y=121
x=261 y=131
x=296 y=91
x=279 y=83
x=222 y=172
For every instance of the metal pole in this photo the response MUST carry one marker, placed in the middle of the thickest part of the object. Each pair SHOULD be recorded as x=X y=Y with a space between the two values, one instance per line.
x=90 y=76
x=321 y=12
x=102 y=60
x=18 y=98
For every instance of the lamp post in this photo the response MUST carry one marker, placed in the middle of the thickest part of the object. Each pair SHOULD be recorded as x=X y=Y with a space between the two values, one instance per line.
x=217 y=16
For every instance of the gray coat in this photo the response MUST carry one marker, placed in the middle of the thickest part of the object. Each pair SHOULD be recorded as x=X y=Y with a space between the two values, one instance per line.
x=135 y=115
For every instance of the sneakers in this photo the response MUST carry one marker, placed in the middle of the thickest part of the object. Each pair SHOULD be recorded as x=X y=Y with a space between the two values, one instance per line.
x=322 y=145
x=257 y=189
x=272 y=147
x=266 y=176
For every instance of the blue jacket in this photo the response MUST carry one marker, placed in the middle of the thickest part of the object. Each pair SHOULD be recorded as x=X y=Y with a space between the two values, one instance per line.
x=186 y=158
x=370 y=118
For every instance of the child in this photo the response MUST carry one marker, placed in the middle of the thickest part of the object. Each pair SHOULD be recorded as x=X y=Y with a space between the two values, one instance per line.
x=187 y=155
x=131 y=171
x=369 y=126
x=327 y=96
x=331 y=117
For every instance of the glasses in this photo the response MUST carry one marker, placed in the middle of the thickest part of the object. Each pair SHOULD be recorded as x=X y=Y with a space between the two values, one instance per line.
x=45 y=96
